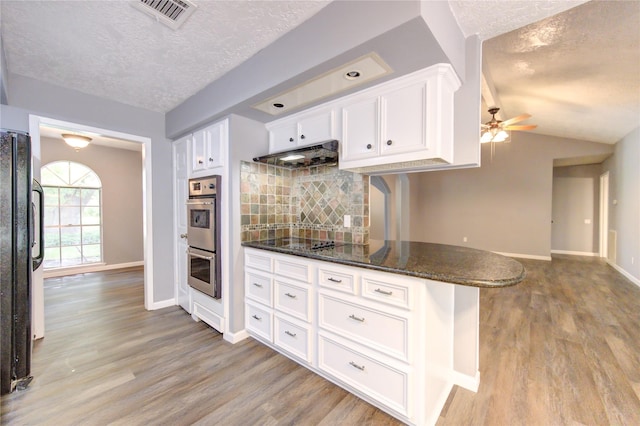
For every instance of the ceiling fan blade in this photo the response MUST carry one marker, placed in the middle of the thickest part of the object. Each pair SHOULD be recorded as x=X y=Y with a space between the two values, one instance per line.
x=521 y=127
x=516 y=119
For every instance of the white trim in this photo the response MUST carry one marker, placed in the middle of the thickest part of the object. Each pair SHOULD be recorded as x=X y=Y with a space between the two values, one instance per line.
x=524 y=256
x=83 y=269
x=604 y=215
x=626 y=274
x=575 y=253
x=162 y=304
x=236 y=337
x=468 y=382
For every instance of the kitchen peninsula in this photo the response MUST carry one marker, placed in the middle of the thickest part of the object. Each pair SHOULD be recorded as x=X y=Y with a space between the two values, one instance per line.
x=394 y=322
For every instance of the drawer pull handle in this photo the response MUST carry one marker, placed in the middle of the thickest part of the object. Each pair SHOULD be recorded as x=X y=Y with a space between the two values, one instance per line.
x=293 y=296
x=356 y=318
x=386 y=293
x=333 y=280
x=359 y=367
x=257 y=285
x=257 y=317
x=290 y=333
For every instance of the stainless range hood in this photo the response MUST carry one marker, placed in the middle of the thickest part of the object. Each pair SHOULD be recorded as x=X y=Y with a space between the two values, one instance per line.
x=325 y=153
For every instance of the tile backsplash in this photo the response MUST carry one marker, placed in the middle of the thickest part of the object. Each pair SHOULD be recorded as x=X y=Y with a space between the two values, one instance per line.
x=306 y=203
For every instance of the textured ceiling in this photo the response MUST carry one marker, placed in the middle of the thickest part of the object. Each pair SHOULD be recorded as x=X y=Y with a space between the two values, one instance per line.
x=488 y=19
x=112 y=50
x=576 y=72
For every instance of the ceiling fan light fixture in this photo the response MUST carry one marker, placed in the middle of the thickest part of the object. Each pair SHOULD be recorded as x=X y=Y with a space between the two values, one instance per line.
x=494 y=134
x=76 y=141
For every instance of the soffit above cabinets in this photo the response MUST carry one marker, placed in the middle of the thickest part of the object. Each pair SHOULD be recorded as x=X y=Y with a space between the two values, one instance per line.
x=355 y=73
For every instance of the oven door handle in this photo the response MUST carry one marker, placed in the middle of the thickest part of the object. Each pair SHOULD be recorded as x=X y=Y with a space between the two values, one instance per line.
x=199 y=203
x=199 y=256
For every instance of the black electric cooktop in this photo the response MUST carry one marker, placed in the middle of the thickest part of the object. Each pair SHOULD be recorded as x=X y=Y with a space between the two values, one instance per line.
x=301 y=244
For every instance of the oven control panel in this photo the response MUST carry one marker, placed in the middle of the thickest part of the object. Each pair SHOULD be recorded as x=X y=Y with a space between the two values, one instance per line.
x=204 y=186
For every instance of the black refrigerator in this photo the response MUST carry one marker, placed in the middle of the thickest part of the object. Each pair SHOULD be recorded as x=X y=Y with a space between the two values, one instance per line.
x=21 y=234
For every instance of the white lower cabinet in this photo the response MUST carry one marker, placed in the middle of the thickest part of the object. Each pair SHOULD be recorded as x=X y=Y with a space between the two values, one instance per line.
x=294 y=337
x=378 y=329
x=259 y=320
x=375 y=378
x=387 y=338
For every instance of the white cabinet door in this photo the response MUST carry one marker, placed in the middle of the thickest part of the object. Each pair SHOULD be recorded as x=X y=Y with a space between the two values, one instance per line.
x=216 y=140
x=404 y=120
x=207 y=147
x=180 y=191
x=198 y=151
x=283 y=137
x=315 y=128
x=360 y=130
x=301 y=131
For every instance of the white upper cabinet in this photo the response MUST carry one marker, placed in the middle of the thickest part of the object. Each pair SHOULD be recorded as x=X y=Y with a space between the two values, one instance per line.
x=300 y=130
x=207 y=147
x=402 y=125
x=403 y=113
x=361 y=127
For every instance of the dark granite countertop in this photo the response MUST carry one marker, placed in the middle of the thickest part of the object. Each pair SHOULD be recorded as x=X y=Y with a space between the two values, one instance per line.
x=439 y=262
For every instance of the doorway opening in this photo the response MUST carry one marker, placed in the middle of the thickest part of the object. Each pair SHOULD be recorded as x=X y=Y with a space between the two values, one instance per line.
x=36 y=123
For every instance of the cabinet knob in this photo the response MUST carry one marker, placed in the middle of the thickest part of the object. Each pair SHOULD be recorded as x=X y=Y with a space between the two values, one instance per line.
x=199 y=161
x=290 y=139
x=389 y=142
x=183 y=235
x=301 y=136
x=368 y=146
x=210 y=159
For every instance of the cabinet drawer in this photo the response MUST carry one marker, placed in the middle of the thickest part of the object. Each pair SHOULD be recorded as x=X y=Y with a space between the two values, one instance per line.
x=376 y=379
x=258 y=287
x=259 y=320
x=297 y=270
x=337 y=280
x=382 y=331
x=392 y=292
x=293 y=338
x=257 y=259
x=293 y=299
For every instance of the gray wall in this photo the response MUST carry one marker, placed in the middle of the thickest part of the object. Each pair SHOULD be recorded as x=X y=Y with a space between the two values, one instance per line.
x=503 y=206
x=120 y=171
x=624 y=187
x=30 y=96
x=576 y=199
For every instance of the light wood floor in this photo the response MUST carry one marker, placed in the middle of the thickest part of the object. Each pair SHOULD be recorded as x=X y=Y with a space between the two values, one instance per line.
x=562 y=347
x=105 y=360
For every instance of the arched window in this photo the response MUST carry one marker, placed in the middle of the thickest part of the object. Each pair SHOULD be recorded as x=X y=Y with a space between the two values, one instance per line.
x=72 y=215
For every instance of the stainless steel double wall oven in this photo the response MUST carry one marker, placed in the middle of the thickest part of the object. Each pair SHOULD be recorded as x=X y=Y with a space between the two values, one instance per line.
x=203 y=235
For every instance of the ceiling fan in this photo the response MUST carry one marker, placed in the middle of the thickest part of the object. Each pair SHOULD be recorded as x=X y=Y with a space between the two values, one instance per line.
x=496 y=130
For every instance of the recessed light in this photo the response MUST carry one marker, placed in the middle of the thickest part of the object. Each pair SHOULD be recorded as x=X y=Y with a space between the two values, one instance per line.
x=352 y=75
x=278 y=105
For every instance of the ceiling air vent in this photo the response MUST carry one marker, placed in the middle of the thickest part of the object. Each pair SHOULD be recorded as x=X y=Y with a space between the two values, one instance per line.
x=172 y=13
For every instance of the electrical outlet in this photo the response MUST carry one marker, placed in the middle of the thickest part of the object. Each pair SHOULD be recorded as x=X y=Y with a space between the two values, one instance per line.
x=587 y=221
x=464 y=239
x=347 y=221
x=632 y=259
